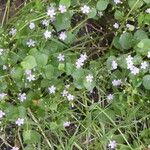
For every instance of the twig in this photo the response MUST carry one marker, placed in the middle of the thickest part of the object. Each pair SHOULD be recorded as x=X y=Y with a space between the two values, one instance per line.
x=38 y=125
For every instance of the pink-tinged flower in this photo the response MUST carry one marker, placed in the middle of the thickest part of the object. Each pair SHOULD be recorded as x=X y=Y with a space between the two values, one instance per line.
x=52 y=89
x=51 y=12
x=70 y=97
x=15 y=148
x=85 y=9
x=20 y=121
x=61 y=57
x=62 y=8
x=62 y=36
x=1 y=114
x=89 y=78
x=112 y=144
x=22 y=97
x=67 y=124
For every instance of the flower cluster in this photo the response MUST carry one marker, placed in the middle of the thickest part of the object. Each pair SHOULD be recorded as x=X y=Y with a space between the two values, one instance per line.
x=81 y=60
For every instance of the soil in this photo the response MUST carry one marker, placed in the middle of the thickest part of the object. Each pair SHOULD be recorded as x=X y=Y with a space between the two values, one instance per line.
x=14 y=6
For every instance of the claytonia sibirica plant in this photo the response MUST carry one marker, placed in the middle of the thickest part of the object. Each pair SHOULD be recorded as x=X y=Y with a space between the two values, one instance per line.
x=75 y=75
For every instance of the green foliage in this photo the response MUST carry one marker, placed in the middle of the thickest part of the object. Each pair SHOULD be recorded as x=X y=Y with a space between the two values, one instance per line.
x=29 y=62
x=75 y=74
x=102 y=4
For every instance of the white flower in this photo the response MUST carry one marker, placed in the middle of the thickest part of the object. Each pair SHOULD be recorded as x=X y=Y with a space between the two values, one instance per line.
x=30 y=77
x=20 y=121
x=61 y=57
x=148 y=55
x=112 y=144
x=45 y=22
x=64 y=93
x=51 y=12
x=32 y=25
x=129 y=58
x=100 y=14
x=47 y=34
x=89 y=78
x=22 y=97
x=117 y=1
x=70 y=97
x=129 y=61
x=4 y=67
x=67 y=124
x=148 y=10
x=83 y=57
x=114 y=65
x=85 y=9
x=1 y=51
x=12 y=31
x=144 y=65
x=62 y=36
x=31 y=43
x=15 y=148
x=2 y=95
x=81 y=60
x=110 y=97
x=1 y=114
x=52 y=89
x=116 y=82
x=116 y=25
x=62 y=8
x=135 y=70
x=28 y=72
x=79 y=63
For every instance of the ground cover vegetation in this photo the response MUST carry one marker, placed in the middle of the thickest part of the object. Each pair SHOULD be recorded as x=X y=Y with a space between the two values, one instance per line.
x=75 y=75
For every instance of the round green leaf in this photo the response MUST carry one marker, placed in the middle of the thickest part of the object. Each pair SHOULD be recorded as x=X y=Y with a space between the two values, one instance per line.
x=67 y=3
x=102 y=4
x=119 y=15
x=29 y=63
x=92 y=13
x=143 y=46
x=146 y=82
x=126 y=40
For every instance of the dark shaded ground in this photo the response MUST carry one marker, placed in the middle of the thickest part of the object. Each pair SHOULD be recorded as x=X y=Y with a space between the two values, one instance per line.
x=14 y=6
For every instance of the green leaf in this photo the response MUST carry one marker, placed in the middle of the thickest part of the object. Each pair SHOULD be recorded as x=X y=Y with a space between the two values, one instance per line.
x=147 y=1
x=119 y=15
x=17 y=73
x=69 y=68
x=132 y=3
x=126 y=40
x=49 y=72
x=102 y=4
x=92 y=13
x=146 y=82
x=29 y=63
x=143 y=46
x=140 y=35
x=41 y=59
x=67 y=3
x=31 y=136
x=89 y=85
x=63 y=21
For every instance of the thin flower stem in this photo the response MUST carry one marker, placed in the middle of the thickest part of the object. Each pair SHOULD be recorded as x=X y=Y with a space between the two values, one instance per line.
x=102 y=111
x=20 y=140
x=126 y=18
x=37 y=123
